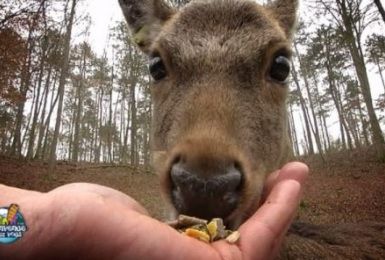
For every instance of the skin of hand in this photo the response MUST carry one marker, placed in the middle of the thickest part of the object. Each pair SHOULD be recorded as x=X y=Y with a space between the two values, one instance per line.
x=87 y=221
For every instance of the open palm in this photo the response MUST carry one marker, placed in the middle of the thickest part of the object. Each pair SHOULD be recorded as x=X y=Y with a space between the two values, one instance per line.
x=86 y=221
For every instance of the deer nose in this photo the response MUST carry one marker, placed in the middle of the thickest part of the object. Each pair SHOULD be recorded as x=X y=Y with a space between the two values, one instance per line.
x=205 y=192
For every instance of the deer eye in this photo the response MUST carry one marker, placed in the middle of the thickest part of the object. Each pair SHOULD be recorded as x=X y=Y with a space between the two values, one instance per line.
x=157 y=69
x=280 y=69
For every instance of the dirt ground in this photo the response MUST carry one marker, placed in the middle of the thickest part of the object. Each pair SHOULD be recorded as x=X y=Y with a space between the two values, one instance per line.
x=350 y=187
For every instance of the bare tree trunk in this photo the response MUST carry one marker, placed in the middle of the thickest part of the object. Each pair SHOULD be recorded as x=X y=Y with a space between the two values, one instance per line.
x=79 y=109
x=324 y=136
x=146 y=158
x=311 y=103
x=380 y=72
x=133 y=82
x=71 y=132
x=83 y=143
x=41 y=148
x=125 y=142
x=290 y=133
x=133 y=158
x=78 y=113
x=92 y=143
x=42 y=117
x=359 y=64
x=29 y=117
x=146 y=130
x=326 y=130
x=350 y=113
x=115 y=135
x=344 y=114
x=336 y=98
x=150 y=115
x=3 y=139
x=343 y=125
x=111 y=128
x=321 y=115
x=63 y=77
x=98 y=149
x=306 y=145
x=122 y=125
x=380 y=8
x=25 y=80
x=31 y=142
x=363 y=121
x=304 y=111
x=294 y=130
x=127 y=132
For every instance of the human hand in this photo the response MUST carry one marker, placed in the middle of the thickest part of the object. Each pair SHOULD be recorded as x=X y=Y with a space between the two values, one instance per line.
x=86 y=221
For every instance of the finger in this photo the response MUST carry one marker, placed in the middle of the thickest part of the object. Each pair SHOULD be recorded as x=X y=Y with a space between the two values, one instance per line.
x=131 y=235
x=113 y=196
x=294 y=170
x=260 y=234
x=10 y=195
x=269 y=183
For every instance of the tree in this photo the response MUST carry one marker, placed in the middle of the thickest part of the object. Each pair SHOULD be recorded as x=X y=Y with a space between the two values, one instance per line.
x=306 y=77
x=375 y=45
x=380 y=9
x=84 y=54
x=62 y=82
x=83 y=106
x=25 y=78
x=352 y=18
x=44 y=50
x=304 y=111
x=54 y=60
x=12 y=53
x=17 y=11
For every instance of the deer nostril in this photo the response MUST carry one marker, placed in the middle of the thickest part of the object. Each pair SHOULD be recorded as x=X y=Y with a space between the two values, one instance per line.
x=204 y=193
x=234 y=178
x=178 y=159
x=228 y=180
x=238 y=167
x=182 y=178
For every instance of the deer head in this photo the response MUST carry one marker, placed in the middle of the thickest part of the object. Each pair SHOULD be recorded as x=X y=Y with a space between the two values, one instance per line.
x=220 y=70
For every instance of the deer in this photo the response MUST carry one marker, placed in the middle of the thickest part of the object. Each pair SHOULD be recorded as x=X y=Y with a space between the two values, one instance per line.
x=220 y=72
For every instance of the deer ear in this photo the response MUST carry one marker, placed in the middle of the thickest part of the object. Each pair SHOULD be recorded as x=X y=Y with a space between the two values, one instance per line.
x=145 y=18
x=285 y=11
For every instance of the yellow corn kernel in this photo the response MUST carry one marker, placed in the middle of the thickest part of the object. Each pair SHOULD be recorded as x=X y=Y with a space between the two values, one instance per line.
x=212 y=228
x=203 y=236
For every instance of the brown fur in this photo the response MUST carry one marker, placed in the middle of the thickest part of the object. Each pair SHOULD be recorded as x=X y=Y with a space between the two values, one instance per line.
x=218 y=103
x=218 y=97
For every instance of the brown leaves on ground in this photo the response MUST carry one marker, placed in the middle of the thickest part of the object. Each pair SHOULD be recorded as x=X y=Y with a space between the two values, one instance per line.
x=350 y=187
x=139 y=183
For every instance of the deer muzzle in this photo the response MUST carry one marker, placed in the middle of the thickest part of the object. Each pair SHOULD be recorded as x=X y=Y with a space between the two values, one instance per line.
x=206 y=192
x=206 y=179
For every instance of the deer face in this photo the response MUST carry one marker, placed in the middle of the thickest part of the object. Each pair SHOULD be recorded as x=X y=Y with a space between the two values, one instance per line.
x=219 y=126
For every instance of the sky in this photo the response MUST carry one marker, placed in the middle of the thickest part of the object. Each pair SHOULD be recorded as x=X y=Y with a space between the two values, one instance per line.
x=103 y=13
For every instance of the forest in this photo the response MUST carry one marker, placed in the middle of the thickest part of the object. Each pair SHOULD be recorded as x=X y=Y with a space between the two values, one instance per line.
x=62 y=100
